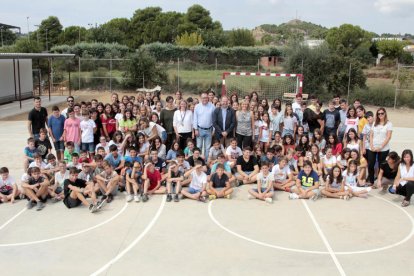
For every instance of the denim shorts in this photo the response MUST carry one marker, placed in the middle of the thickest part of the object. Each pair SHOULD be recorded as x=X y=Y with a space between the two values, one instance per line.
x=192 y=191
x=59 y=145
x=164 y=136
x=262 y=190
x=315 y=191
x=88 y=147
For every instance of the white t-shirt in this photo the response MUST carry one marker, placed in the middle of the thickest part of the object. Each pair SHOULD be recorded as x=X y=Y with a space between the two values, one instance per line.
x=197 y=181
x=87 y=130
x=329 y=163
x=351 y=123
x=280 y=174
x=106 y=147
x=183 y=121
x=266 y=181
x=60 y=178
x=43 y=165
x=7 y=184
x=380 y=134
x=404 y=173
x=233 y=153
x=265 y=132
x=350 y=179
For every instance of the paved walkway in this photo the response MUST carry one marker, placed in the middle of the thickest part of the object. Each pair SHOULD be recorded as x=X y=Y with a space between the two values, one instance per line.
x=12 y=109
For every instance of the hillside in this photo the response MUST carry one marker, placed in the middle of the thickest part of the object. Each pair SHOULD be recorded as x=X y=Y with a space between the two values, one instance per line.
x=274 y=34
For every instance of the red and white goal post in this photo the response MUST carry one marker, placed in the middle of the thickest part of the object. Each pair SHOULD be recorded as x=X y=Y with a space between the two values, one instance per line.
x=268 y=85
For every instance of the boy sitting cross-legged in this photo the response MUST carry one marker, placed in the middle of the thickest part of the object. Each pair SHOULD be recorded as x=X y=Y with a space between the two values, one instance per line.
x=75 y=190
x=197 y=187
x=108 y=183
x=219 y=184
x=264 y=190
x=36 y=189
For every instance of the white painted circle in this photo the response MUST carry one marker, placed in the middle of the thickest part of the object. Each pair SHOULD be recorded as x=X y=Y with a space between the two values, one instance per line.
x=67 y=235
x=408 y=237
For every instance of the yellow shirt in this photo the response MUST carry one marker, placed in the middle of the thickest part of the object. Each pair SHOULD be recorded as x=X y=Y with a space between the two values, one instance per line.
x=361 y=123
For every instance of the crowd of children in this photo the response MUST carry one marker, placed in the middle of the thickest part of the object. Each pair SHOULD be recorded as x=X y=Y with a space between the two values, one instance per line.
x=134 y=145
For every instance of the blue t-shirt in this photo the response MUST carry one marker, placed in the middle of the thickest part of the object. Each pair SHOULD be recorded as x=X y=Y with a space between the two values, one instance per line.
x=226 y=165
x=113 y=161
x=56 y=125
x=171 y=155
x=132 y=160
x=29 y=152
x=308 y=180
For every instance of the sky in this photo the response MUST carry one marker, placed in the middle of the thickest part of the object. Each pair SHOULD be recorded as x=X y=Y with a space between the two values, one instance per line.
x=380 y=16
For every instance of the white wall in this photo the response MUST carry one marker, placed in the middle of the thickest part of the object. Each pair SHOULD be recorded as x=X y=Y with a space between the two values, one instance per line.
x=7 y=91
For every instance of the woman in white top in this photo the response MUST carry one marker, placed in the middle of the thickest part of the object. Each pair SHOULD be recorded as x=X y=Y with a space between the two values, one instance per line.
x=183 y=124
x=404 y=182
x=379 y=138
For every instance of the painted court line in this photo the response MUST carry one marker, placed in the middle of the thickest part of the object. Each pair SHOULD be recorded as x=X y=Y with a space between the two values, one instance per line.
x=325 y=241
x=13 y=218
x=64 y=236
x=138 y=239
x=210 y=212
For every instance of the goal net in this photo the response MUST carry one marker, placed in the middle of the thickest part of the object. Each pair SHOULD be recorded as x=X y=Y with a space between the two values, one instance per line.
x=268 y=85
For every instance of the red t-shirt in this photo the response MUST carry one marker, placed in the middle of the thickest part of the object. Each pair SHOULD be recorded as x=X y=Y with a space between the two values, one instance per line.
x=153 y=177
x=337 y=150
x=110 y=124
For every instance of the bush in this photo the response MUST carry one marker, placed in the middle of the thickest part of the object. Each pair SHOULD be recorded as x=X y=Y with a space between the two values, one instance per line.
x=377 y=95
x=96 y=50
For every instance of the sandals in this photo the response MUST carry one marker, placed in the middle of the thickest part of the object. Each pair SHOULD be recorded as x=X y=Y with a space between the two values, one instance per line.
x=405 y=203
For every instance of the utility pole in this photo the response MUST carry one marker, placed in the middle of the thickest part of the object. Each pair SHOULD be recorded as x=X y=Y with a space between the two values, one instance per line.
x=28 y=30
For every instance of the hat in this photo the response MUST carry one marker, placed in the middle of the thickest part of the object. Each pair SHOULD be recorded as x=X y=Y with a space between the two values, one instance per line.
x=369 y=114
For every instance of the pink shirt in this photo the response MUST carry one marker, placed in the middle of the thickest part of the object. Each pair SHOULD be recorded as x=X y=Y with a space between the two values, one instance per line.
x=72 y=128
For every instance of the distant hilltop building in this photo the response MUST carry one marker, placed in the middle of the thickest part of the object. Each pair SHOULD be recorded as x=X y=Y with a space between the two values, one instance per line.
x=387 y=38
x=313 y=43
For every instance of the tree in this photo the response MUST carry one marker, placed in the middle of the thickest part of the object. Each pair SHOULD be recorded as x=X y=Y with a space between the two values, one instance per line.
x=49 y=31
x=142 y=66
x=392 y=49
x=200 y=17
x=23 y=45
x=143 y=22
x=240 y=37
x=347 y=38
x=214 y=37
x=188 y=40
x=7 y=37
x=72 y=35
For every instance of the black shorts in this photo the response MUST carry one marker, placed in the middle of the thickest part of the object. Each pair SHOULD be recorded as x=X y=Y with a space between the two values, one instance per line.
x=71 y=202
x=6 y=192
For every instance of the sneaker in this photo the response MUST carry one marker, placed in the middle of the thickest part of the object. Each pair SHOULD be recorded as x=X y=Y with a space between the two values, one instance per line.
x=268 y=199
x=176 y=198
x=369 y=189
x=145 y=198
x=30 y=204
x=110 y=198
x=239 y=183
x=293 y=196
x=169 y=198
x=227 y=196
x=249 y=196
x=102 y=202
x=136 y=198
x=202 y=199
x=39 y=206
x=314 y=197
x=212 y=197
x=93 y=208
x=129 y=198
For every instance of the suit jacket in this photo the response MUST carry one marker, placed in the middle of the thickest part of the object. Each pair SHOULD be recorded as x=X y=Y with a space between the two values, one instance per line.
x=230 y=121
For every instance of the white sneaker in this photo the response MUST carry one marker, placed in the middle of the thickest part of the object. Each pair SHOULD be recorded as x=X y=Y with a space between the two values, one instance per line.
x=369 y=189
x=314 y=197
x=129 y=198
x=268 y=199
x=249 y=196
x=293 y=196
x=136 y=198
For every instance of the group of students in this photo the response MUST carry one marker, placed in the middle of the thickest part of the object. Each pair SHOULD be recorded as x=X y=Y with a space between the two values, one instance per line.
x=145 y=146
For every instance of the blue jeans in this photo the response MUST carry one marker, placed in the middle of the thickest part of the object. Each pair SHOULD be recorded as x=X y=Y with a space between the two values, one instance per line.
x=204 y=141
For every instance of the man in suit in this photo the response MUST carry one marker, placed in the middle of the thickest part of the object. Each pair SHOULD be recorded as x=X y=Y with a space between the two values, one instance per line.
x=224 y=121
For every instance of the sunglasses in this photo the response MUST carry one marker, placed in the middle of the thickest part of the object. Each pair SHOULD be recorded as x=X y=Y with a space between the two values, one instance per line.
x=70 y=101
x=380 y=113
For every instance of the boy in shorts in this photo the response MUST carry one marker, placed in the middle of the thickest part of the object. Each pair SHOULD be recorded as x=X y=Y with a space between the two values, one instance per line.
x=307 y=183
x=75 y=190
x=197 y=187
x=88 y=128
x=133 y=181
x=174 y=179
x=108 y=183
x=219 y=184
x=282 y=176
x=43 y=145
x=264 y=190
x=8 y=187
x=36 y=189
x=152 y=181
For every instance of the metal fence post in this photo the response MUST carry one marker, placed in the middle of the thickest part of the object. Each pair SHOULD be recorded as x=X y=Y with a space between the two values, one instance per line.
x=110 y=74
x=349 y=81
x=178 y=75
x=79 y=74
x=396 y=85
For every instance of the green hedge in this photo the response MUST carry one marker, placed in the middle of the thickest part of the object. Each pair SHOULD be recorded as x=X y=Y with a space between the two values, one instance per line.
x=166 y=52
x=96 y=50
